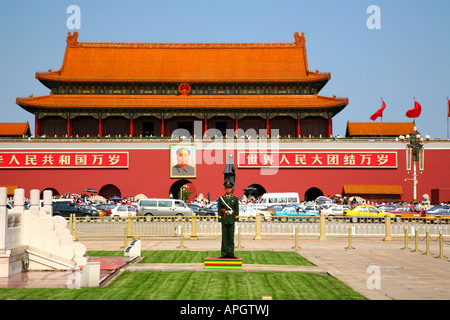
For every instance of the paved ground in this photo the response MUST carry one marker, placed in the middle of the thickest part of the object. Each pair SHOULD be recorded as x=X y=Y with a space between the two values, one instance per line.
x=377 y=269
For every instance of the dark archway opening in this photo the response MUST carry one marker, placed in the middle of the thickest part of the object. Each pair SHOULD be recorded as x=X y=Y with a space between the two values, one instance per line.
x=254 y=191
x=183 y=189
x=54 y=192
x=312 y=193
x=108 y=191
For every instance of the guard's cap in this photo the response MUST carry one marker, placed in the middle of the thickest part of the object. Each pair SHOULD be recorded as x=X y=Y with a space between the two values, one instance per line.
x=228 y=184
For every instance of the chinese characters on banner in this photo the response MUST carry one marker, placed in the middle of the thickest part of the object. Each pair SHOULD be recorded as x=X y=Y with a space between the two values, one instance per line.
x=61 y=160
x=321 y=159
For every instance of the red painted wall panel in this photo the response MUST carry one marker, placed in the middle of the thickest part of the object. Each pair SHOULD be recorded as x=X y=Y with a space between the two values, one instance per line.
x=148 y=173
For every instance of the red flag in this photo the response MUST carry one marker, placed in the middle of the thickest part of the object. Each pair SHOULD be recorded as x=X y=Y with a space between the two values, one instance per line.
x=448 y=107
x=379 y=113
x=414 y=113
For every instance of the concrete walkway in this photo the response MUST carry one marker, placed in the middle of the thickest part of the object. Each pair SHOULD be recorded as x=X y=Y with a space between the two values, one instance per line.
x=377 y=269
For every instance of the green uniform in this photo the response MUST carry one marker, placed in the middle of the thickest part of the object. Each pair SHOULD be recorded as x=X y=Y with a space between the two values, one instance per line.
x=228 y=202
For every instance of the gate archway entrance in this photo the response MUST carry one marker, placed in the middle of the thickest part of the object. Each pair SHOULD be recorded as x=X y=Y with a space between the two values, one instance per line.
x=108 y=191
x=53 y=190
x=183 y=189
x=312 y=193
x=255 y=190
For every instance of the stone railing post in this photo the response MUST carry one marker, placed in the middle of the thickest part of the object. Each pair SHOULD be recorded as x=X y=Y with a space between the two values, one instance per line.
x=3 y=217
x=48 y=202
x=34 y=202
x=19 y=200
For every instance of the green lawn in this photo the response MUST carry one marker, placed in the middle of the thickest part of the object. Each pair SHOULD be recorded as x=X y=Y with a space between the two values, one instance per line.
x=203 y=285
x=249 y=257
x=194 y=285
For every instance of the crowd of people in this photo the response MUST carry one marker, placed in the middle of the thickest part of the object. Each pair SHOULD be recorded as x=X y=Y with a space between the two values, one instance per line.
x=84 y=199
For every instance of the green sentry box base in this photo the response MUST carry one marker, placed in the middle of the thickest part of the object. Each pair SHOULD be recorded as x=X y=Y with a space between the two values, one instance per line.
x=223 y=263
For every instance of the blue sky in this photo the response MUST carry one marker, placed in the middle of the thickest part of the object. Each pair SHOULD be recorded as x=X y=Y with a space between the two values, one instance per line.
x=408 y=57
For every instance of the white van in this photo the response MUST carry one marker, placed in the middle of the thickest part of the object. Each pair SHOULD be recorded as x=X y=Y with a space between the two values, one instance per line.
x=162 y=207
x=277 y=198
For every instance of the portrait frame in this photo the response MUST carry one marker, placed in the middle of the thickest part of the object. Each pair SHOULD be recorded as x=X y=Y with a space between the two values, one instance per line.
x=175 y=171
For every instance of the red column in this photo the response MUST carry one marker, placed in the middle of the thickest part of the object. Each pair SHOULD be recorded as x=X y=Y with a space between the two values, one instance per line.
x=100 y=126
x=299 y=128
x=69 y=129
x=236 y=126
x=330 y=127
x=268 y=126
x=131 y=126
x=162 y=126
x=205 y=125
x=36 y=126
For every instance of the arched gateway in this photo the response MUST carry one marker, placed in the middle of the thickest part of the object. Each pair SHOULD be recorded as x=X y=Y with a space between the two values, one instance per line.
x=312 y=193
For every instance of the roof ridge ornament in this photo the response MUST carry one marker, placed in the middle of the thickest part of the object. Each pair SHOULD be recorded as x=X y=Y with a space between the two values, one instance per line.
x=72 y=39
x=300 y=40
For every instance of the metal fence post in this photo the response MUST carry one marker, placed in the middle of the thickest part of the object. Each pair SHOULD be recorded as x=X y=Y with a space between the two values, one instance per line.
x=130 y=226
x=427 y=241
x=239 y=238
x=296 y=239
x=406 y=240
x=322 y=227
x=194 y=227
x=74 y=227
x=387 y=224
x=416 y=235
x=441 y=247
x=181 y=238
x=258 y=227
x=349 y=238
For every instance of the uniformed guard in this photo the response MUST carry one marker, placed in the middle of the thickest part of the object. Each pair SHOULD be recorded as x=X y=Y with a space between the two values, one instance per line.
x=228 y=213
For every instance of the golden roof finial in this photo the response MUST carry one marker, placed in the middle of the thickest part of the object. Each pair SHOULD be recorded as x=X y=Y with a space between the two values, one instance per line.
x=72 y=39
x=299 y=40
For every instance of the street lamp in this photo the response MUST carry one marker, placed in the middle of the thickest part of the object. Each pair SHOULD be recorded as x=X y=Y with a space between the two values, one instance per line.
x=414 y=154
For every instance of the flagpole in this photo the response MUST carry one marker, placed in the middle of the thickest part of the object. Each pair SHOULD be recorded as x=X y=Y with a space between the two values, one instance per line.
x=382 y=120
x=414 y=119
x=448 y=113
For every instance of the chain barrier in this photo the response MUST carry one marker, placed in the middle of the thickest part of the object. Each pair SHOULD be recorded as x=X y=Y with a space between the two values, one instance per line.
x=427 y=238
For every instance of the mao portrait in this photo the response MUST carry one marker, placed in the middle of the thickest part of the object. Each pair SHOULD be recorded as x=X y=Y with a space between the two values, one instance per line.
x=182 y=161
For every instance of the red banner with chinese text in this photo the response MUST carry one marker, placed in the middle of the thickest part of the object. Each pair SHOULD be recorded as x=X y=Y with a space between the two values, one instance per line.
x=63 y=160
x=320 y=159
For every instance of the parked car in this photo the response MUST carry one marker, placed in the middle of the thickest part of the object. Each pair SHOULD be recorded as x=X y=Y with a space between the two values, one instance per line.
x=212 y=209
x=122 y=211
x=105 y=207
x=336 y=210
x=386 y=207
x=361 y=212
x=274 y=208
x=89 y=207
x=438 y=212
x=439 y=209
x=246 y=212
x=327 y=205
x=162 y=207
x=199 y=211
x=290 y=212
x=313 y=208
x=65 y=209
x=408 y=212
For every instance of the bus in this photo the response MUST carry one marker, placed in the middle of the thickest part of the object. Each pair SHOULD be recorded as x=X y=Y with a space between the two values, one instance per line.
x=279 y=198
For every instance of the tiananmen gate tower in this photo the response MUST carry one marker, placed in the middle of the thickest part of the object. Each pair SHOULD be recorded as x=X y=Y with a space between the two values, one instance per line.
x=120 y=115
x=152 y=89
